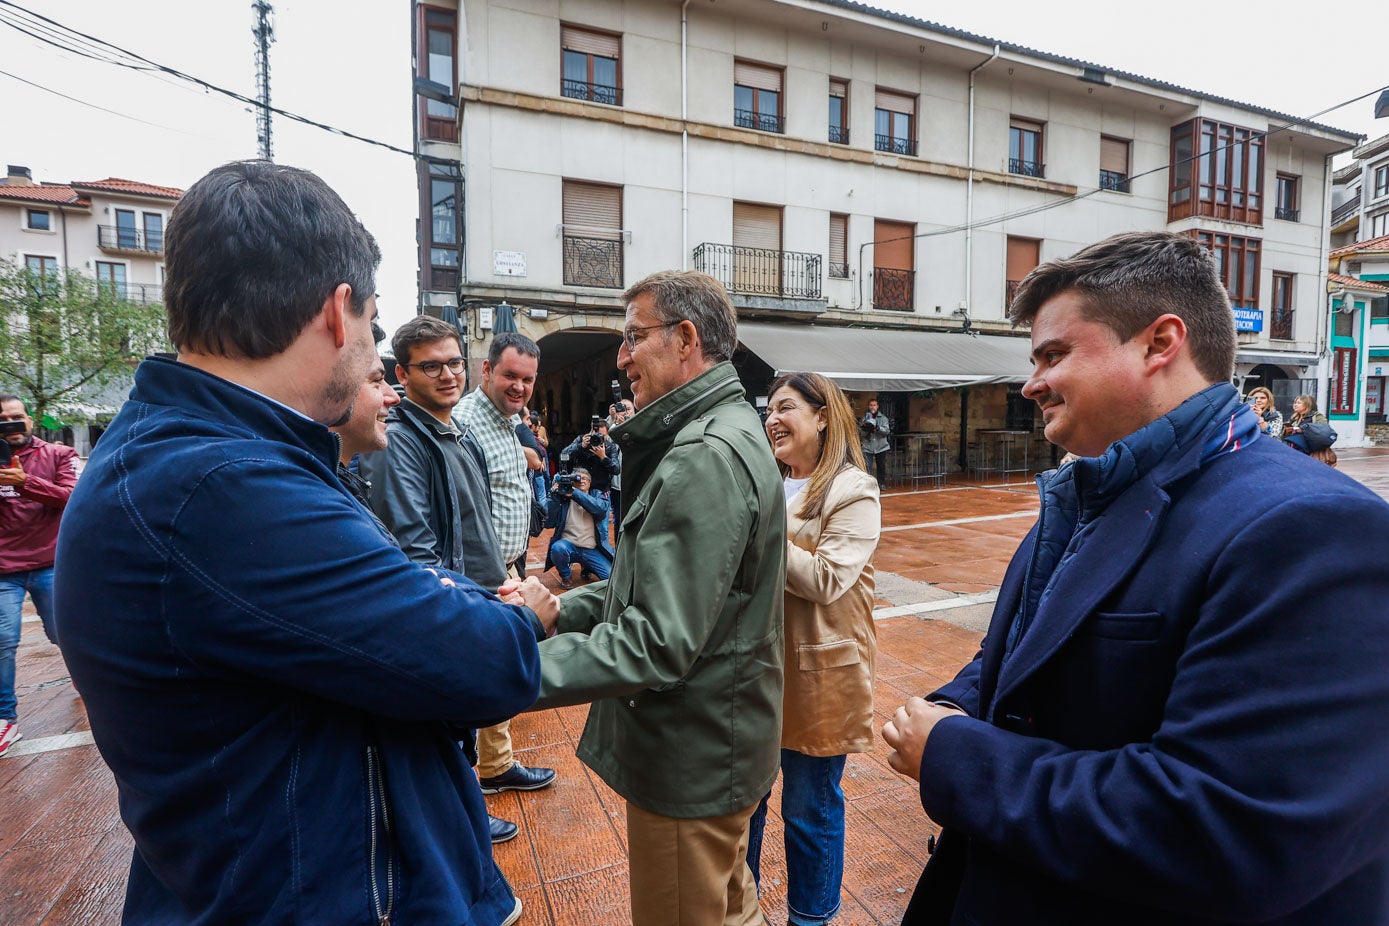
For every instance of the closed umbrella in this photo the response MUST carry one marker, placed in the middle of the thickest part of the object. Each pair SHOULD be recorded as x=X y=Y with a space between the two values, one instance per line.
x=504 y=320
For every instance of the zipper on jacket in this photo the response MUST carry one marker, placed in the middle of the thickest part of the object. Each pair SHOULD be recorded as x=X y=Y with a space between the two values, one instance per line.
x=669 y=416
x=379 y=811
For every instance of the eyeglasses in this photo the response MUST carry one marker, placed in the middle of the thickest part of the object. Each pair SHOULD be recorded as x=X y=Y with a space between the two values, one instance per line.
x=631 y=342
x=432 y=368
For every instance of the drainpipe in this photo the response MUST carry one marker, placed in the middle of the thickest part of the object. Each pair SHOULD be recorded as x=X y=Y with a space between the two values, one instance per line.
x=969 y=187
x=684 y=144
x=1323 y=256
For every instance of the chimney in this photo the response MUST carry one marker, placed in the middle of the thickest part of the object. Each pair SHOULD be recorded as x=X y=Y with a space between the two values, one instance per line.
x=19 y=176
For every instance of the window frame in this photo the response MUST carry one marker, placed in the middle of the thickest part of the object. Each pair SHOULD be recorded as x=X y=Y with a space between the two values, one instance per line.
x=436 y=127
x=909 y=140
x=757 y=111
x=843 y=99
x=1018 y=127
x=1222 y=245
x=445 y=172
x=593 y=233
x=1281 y=316
x=831 y=265
x=1116 y=181
x=30 y=212
x=1227 y=161
x=1381 y=181
x=591 y=96
x=1287 y=211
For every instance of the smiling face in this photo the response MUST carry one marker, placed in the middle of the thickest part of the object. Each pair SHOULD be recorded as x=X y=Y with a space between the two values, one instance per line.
x=796 y=429
x=509 y=384
x=652 y=365
x=1089 y=385
x=437 y=395
x=365 y=430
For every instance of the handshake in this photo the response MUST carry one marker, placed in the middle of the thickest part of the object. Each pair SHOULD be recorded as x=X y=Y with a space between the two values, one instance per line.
x=534 y=595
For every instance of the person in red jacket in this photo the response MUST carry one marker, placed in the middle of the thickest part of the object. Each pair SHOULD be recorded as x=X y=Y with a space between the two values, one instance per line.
x=34 y=489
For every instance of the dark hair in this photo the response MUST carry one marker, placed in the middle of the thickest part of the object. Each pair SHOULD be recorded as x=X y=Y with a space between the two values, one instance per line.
x=514 y=340
x=1127 y=281
x=688 y=295
x=839 y=444
x=6 y=397
x=422 y=329
x=252 y=251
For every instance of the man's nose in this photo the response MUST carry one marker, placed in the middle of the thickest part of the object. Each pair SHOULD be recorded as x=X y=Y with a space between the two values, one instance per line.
x=624 y=356
x=1034 y=388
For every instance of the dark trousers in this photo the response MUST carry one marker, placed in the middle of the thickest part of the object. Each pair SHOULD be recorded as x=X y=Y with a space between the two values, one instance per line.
x=880 y=465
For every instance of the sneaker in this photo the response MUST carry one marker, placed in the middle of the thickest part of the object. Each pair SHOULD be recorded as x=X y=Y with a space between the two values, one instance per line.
x=501 y=830
x=515 y=914
x=518 y=778
x=565 y=581
x=9 y=735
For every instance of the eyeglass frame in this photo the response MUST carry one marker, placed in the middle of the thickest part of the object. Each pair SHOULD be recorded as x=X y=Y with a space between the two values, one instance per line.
x=442 y=364
x=631 y=343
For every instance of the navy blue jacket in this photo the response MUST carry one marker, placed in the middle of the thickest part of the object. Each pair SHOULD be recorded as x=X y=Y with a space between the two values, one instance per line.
x=274 y=685
x=1194 y=727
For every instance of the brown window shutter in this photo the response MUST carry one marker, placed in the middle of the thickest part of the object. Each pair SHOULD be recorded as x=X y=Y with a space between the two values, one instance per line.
x=756 y=226
x=898 y=254
x=1024 y=254
x=590 y=43
x=839 y=88
x=592 y=210
x=1114 y=155
x=896 y=102
x=839 y=236
x=757 y=76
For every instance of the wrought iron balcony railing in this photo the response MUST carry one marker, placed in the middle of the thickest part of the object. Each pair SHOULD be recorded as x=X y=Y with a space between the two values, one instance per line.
x=894 y=145
x=119 y=238
x=1027 y=168
x=143 y=293
x=751 y=119
x=1010 y=293
x=839 y=135
x=1113 y=180
x=1286 y=214
x=595 y=93
x=1281 y=324
x=894 y=289
x=761 y=271
x=593 y=262
x=1345 y=210
x=838 y=271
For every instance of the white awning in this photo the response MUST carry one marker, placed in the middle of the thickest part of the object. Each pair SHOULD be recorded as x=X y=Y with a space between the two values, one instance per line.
x=888 y=360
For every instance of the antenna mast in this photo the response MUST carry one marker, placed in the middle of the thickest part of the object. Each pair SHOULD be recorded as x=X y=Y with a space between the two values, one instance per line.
x=264 y=33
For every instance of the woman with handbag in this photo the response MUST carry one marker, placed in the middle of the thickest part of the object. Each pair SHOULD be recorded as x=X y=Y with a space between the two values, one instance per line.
x=1304 y=413
x=833 y=520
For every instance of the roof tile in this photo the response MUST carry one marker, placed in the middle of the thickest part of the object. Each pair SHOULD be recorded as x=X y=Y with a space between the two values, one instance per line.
x=1372 y=244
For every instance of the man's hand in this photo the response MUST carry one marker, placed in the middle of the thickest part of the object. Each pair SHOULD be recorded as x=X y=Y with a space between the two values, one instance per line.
x=907 y=731
x=599 y=448
x=534 y=595
x=14 y=476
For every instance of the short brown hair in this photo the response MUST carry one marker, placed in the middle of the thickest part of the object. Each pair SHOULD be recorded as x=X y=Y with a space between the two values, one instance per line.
x=422 y=329
x=1127 y=281
x=688 y=295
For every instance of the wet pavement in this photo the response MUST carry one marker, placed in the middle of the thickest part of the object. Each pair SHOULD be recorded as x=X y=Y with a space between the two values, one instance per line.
x=64 y=852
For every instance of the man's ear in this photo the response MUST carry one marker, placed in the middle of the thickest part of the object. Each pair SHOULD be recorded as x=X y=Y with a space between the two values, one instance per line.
x=335 y=309
x=400 y=373
x=689 y=339
x=1163 y=341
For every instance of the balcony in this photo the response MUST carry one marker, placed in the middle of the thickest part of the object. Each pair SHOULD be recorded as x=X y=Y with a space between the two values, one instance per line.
x=117 y=238
x=1113 y=180
x=593 y=262
x=1027 y=168
x=762 y=122
x=839 y=135
x=594 y=93
x=142 y=293
x=1286 y=214
x=1010 y=293
x=1345 y=210
x=761 y=271
x=894 y=289
x=838 y=271
x=894 y=145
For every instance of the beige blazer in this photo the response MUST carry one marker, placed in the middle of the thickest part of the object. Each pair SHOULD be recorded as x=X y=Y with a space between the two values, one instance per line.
x=830 y=641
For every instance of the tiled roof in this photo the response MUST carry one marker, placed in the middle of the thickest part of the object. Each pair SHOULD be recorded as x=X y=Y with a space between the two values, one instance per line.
x=1373 y=244
x=64 y=195
x=133 y=187
x=1338 y=280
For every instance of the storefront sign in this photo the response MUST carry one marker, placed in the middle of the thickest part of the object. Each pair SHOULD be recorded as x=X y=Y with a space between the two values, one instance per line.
x=1249 y=320
x=1343 y=381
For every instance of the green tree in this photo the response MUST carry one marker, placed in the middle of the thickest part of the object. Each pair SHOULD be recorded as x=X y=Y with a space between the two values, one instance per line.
x=64 y=337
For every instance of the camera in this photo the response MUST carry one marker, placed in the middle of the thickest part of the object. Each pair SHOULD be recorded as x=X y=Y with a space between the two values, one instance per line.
x=593 y=438
x=564 y=483
x=6 y=429
x=618 y=405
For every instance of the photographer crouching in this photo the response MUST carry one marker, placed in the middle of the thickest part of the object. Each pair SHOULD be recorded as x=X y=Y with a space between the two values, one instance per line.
x=580 y=519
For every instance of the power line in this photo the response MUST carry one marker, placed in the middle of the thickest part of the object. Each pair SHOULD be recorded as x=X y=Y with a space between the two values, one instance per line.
x=95 y=106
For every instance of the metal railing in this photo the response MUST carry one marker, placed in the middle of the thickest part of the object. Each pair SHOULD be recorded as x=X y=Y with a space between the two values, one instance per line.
x=1286 y=214
x=596 y=93
x=1010 y=293
x=839 y=135
x=117 y=238
x=751 y=119
x=894 y=289
x=1281 y=324
x=143 y=293
x=838 y=271
x=894 y=145
x=761 y=271
x=593 y=262
x=1027 y=168
x=1345 y=209
x=1113 y=180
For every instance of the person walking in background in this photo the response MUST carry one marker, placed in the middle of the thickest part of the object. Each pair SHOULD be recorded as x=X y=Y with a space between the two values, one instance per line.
x=833 y=520
x=1270 y=418
x=1304 y=413
x=876 y=432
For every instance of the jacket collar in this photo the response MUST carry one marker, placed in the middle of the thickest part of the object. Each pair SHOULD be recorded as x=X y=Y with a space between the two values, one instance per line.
x=407 y=412
x=162 y=381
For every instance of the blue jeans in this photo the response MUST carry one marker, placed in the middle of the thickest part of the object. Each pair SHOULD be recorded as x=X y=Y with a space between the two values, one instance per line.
x=812 y=806
x=39 y=584
x=563 y=553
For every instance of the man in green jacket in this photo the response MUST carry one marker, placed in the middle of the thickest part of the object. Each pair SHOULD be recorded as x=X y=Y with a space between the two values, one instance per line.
x=680 y=650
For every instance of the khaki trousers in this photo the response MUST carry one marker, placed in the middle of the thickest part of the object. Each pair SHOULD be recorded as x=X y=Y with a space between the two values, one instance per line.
x=691 y=872
x=494 y=743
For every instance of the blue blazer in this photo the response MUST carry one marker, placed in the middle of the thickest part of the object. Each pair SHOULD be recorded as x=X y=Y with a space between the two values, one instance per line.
x=1195 y=727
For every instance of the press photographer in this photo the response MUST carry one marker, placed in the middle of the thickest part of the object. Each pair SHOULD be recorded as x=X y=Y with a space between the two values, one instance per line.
x=580 y=519
x=596 y=452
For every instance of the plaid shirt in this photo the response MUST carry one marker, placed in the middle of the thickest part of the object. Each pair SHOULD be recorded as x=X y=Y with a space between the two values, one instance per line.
x=506 y=471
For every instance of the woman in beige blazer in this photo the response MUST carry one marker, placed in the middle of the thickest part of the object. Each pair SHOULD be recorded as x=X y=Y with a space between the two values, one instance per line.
x=832 y=520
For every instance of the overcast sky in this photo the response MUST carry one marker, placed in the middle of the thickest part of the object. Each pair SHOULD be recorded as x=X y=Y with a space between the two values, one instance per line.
x=348 y=65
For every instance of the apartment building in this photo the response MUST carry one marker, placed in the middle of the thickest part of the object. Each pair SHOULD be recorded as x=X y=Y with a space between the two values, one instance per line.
x=870 y=187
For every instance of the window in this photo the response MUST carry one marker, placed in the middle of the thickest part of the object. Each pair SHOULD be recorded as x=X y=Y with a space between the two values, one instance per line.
x=839 y=113
x=1237 y=259
x=756 y=249
x=592 y=234
x=894 y=122
x=1285 y=207
x=839 y=246
x=126 y=235
x=1024 y=254
x=894 y=273
x=756 y=96
x=154 y=231
x=38 y=220
x=1343 y=324
x=1381 y=181
x=111 y=276
x=1379 y=225
x=1025 y=148
x=437 y=62
x=1226 y=179
x=45 y=271
x=1114 y=164
x=441 y=189
x=591 y=65
x=1379 y=309
x=1281 y=325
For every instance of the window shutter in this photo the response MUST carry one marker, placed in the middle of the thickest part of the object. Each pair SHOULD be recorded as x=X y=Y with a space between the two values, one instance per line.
x=894 y=255
x=592 y=210
x=1114 y=155
x=896 y=102
x=589 y=43
x=756 y=76
x=839 y=88
x=1023 y=256
x=756 y=226
x=839 y=235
